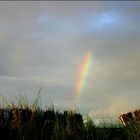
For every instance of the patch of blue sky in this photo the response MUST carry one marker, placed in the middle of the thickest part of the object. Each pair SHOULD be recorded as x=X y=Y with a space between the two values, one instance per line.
x=102 y=20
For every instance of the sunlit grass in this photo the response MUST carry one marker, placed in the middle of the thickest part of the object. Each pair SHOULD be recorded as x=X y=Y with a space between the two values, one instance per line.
x=30 y=122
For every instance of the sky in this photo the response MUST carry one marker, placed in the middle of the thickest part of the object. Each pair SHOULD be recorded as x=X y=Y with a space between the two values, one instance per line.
x=82 y=54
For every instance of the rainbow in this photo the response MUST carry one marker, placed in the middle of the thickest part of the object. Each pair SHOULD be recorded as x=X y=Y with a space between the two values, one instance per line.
x=83 y=74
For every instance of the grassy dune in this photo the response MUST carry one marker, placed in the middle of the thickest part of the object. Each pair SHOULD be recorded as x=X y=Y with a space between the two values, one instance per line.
x=24 y=122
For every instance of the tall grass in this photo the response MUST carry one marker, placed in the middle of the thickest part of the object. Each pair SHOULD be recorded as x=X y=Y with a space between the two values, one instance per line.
x=30 y=122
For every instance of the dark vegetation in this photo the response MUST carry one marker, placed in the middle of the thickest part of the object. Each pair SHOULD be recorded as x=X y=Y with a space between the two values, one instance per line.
x=22 y=122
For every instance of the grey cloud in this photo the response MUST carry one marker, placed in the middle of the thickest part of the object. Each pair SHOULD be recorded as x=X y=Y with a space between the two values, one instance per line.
x=53 y=37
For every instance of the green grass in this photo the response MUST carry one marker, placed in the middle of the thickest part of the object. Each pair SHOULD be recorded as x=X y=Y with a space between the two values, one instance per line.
x=30 y=122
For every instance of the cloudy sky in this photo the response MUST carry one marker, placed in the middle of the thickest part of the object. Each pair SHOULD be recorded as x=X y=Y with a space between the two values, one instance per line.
x=43 y=45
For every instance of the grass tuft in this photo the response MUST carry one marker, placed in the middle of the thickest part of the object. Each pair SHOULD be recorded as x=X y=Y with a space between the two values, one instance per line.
x=24 y=122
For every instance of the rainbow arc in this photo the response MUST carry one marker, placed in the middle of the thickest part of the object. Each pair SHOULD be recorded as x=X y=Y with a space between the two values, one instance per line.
x=83 y=74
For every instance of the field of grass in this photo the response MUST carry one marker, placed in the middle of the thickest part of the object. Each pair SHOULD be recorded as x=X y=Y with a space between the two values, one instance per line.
x=24 y=122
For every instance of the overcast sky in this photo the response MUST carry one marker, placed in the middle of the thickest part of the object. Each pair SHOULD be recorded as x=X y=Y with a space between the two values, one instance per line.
x=42 y=45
